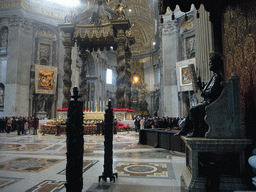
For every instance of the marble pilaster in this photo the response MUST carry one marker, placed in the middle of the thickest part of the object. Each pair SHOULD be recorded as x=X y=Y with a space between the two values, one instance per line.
x=18 y=73
x=169 y=88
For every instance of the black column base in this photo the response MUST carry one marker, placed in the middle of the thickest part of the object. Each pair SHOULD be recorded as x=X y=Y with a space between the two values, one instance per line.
x=111 y=177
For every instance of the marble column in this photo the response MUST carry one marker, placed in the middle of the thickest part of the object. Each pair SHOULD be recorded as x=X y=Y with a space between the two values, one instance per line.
x=67 y=73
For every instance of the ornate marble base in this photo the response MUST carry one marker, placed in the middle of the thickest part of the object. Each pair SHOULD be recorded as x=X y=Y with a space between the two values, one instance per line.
x=61 y=114
x=41 y=114
x=227 y=158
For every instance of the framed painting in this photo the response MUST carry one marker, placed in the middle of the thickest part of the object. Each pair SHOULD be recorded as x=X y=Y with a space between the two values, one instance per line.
x=183 y=76
x=45 y=79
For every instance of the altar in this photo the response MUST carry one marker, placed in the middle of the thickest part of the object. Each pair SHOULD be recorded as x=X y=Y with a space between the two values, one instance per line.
x=92 y=121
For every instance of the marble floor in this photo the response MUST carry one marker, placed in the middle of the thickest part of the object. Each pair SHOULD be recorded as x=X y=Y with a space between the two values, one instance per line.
x=37 y=163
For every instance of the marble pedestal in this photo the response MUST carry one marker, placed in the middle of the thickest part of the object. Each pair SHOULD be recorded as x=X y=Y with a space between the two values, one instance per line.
x=230 y=151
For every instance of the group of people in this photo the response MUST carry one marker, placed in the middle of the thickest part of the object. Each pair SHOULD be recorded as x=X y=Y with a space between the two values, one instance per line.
x=156 y=122
x=20 y=124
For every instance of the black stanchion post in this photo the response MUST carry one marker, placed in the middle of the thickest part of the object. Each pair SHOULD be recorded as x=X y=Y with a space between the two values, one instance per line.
x=108 y=146
x=75 y=145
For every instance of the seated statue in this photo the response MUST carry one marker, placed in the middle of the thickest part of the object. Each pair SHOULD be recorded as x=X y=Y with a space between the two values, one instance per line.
x=194 y=124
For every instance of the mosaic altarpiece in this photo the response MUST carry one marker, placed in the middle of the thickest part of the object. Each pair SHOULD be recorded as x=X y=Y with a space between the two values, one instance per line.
x=239 y=42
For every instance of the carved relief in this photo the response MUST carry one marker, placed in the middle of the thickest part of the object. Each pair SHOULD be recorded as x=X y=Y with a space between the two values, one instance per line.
x=45 y=51
x=187 y=39
x=187 y=25
x=18 y=21
x=46 y=33
x=169 y=27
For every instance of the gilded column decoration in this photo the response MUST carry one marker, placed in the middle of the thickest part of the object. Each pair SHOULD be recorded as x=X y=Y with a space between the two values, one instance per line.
x=239 y=51
x=67 y=74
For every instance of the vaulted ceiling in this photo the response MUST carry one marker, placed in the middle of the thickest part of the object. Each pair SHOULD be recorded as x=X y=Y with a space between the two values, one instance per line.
x=143 y=16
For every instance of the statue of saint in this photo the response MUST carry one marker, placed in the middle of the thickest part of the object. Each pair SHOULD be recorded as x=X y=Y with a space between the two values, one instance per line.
x=194 y=124
x=4 y=38
x=120 y=10
x=1 y=96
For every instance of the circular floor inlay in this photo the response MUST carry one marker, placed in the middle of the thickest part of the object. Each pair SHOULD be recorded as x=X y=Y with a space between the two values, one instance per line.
x=142 y=169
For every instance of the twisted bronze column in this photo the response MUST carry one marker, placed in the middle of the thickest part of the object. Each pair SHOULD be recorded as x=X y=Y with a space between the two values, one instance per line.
x=83 y=80
x=67 y=74
x=121 y=75
x=128 y=83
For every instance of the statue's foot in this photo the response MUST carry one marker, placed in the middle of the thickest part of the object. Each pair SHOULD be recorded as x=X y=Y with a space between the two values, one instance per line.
x=180 y=133
x=195 y=135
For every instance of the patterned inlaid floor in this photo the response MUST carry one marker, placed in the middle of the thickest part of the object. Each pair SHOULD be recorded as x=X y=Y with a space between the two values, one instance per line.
x=5 y=181
x=107 y=187
x=90 y=147
x=86 y=166
x=48 y=185
x=22 y=147
x=37 y=163
x=24 y=164
x=154 y=170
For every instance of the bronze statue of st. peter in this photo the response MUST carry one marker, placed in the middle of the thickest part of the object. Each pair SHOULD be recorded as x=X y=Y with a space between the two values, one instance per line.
x=194 y=124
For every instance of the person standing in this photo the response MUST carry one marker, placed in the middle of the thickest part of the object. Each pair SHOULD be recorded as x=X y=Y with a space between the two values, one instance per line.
x=36 y=123
x=25 y=127
x=142 y=123
x=115 y=126
x=9 y=125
